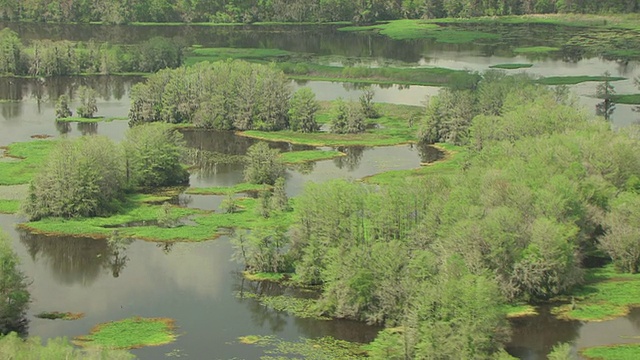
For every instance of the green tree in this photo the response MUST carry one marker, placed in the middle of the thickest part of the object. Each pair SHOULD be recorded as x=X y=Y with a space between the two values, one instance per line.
x=606 y=92
x=562 y=351
x=366 y=103
x=153 y=154
x=302 y=111
x=10 y=52
x=83 y=177
x=280 y=199
x=348 y=118
x=62 y=107
x=620 y=241
x=262 y=164
x=88 y=104
x=15 y=296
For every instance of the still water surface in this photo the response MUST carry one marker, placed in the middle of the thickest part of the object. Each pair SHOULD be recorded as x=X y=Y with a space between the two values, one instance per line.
x=196 y=284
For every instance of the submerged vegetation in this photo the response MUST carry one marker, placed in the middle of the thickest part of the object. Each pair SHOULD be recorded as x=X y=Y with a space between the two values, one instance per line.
x=130 y=333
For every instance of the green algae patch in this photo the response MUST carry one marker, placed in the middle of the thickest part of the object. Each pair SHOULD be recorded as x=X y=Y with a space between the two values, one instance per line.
x=26 y=159
x=606 y=295
x=627 y=99
x=452 y=161
x=253 y=339
x=298 y=157
x=418 y=29
x=9 y=206
x=56 y=315
x=573 y=80
x=519 y=311
x=225 y=190
x=612 y=352
x=299 y=307
x=510 y=66
x=535 y=50
x=130 y=333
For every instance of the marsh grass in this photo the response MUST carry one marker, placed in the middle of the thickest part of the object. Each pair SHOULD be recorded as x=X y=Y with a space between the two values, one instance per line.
x=613 y=352
x=130 y=333
x=318 y=348
x=56 y=315
x=299 y=307
x=199 y=54
x=606 y=295
x=225 y=190
x=9 y=206
x=265 y=276
x=520 y=310
x=30 y=157
x=628 y=99
x=573 y=80
x=535 y=50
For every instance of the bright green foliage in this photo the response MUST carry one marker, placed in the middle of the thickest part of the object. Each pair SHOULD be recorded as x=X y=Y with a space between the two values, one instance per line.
x=13 y=287
x=606 y=92
x=14 y=347
x=262 y=250
x=62 y=107
x=263 y=164
x=153 y=154
x=302 y=111
x=229 y=204
x=280 y=201
x=83 y=177
x=10 y=52
x=613 y=352
x=222 y=95
x=88 y=106
x=30 y=157
x=348 y=118
x=159 y=53
x=366 y=103
x=620 y=241
x=562 y=351
x=167 y=218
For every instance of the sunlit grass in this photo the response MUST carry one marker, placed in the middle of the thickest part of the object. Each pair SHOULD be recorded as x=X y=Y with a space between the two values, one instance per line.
x=130 y=333
x=9 y=206
x=613 y=352
x=520 y=310
x=27 y=158
x=56 y=315
x=606 y=295
x=573 y=80
x=628 y=99
x=535 y=50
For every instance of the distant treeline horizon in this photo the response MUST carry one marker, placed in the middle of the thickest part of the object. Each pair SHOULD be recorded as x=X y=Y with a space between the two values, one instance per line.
x=249 y=11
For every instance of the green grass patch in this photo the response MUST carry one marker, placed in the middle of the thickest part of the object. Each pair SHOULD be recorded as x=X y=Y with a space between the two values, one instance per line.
x=217 y=54
x=56 y=315
x=520 y=310
x=225 y=190
x=150 y=198
x=319 y=348
x=418 y=29
x=613 y=352
x=535 y=50
x=510 y=66
x=628 y=99
x=606 y=295
x=138 y=221
x=90 y=120
x=298 y=157
x=9 y=206
x=573 y=80
x=396 y=127
x=452 y=161
x=25 y=161
x=130 y=333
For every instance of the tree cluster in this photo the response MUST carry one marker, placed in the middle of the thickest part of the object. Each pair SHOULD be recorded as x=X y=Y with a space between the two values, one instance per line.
x=543 y=188
x=88 y=176
x=13 y=287
x=51 y=58
x=224 y=95
x=228 y=11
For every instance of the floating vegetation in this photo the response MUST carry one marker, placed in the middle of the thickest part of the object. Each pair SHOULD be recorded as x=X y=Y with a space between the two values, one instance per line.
x=606 y=295
x=510 y=66
x=41 y=136
x=130 y=333
x=265 y=276
x=94 y=119
x=535 y=50
x=9 y=206
x=325 y=348
x=299 y=307
x=573 y=80
x=518 y=311
x=56 y=315
x=628 y=99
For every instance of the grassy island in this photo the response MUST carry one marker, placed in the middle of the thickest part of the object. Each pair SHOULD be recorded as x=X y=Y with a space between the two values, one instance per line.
x=130 y=333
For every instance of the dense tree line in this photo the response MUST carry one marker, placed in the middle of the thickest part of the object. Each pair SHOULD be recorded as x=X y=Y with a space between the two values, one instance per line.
x=89 y=176
x=51 y=58
x=13 y=287
x=543 y=188
x=225 y=96
x=227 y=11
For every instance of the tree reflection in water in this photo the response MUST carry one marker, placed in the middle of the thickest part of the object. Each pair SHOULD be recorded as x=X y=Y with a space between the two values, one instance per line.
x=352 y=159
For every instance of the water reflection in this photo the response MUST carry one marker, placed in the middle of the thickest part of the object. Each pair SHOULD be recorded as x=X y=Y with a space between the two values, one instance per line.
x=76 y=260
x=88 y=128
x=352 y=159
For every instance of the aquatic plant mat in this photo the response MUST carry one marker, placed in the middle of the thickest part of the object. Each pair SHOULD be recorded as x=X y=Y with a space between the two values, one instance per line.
x=326 y=348
x=130 y=333
x=606 y=295
x=56 y=315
